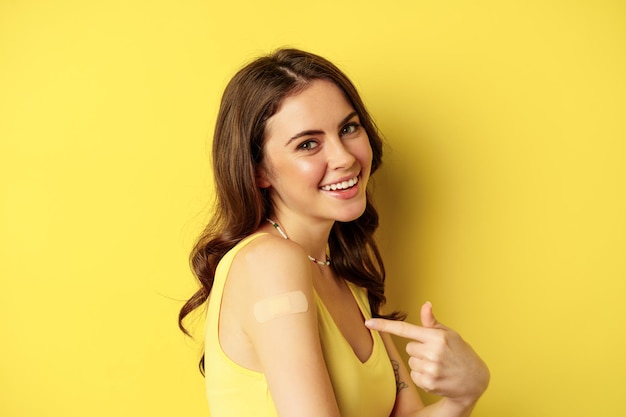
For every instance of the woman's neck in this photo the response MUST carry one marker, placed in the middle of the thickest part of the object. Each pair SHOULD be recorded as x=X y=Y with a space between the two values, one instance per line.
x=311 y=235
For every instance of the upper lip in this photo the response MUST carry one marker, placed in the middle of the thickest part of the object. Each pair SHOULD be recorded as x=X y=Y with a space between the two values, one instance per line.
x=342 y=179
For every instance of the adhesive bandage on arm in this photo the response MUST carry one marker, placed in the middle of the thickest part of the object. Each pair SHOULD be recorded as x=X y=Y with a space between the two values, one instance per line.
x=280 y=305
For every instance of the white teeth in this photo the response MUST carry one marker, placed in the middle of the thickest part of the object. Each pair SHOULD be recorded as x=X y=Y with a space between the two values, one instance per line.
x=341 y=185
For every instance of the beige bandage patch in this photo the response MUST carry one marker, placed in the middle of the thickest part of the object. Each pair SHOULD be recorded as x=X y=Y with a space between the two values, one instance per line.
x=280 y=305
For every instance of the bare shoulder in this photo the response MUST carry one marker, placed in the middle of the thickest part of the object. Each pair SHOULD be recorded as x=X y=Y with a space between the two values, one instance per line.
x=275 y=317
x=268 y=319
x=271 y=264
x=266 y=274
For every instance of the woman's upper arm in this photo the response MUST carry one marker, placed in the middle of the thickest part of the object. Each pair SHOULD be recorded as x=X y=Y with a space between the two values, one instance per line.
x=279 y=317
x=408 y=400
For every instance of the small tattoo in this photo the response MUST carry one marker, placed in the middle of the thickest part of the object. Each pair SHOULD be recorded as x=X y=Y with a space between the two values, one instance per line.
x=396 y=370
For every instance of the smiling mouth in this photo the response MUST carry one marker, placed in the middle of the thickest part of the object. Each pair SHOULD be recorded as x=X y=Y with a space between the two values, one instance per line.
x=344 y=185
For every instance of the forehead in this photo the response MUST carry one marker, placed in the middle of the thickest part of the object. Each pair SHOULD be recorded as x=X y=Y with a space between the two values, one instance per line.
x=321 y=105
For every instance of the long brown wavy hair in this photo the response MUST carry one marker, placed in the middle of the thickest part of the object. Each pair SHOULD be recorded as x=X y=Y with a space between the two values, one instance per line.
x=250 y=99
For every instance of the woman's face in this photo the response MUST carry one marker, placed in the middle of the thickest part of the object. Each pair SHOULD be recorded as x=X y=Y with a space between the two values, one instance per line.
x=317 y=156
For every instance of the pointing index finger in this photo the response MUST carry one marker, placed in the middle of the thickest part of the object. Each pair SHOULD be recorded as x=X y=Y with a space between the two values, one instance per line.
x=396 y=327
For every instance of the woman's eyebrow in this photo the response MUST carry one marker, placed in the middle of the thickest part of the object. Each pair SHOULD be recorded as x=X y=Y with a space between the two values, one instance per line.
x=347 y=118
x=318 y=132
x=304 y=133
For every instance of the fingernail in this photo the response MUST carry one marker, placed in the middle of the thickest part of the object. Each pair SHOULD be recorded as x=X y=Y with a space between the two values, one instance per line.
x=370 y=323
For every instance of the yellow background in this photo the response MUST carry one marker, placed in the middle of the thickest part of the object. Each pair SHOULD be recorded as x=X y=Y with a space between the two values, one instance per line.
x=502 y=196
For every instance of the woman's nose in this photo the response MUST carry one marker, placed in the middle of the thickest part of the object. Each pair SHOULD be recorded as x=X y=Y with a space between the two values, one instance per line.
x=339 y=156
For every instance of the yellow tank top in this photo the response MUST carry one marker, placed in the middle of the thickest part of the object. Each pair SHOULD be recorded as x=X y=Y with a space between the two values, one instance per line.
x=362 y=389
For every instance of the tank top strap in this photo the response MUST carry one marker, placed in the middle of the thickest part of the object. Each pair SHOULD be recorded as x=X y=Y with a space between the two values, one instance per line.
x=222 y=270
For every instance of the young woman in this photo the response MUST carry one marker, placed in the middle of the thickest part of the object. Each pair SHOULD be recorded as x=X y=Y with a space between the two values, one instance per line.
x=290 y=268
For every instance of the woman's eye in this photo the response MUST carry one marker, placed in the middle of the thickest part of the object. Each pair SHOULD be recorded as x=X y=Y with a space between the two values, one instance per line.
x=349 y=129
x=308 y=145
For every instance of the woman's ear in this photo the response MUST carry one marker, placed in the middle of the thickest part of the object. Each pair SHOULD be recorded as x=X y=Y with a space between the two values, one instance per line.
x=261 y=178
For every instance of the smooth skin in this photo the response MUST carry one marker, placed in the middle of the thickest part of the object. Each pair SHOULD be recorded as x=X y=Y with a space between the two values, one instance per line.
x=312 y=141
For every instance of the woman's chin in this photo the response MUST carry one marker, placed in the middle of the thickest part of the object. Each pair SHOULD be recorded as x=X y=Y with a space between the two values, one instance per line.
x=350 y=215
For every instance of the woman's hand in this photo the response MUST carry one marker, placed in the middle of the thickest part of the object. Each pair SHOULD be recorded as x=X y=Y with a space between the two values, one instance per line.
x=441 y=361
